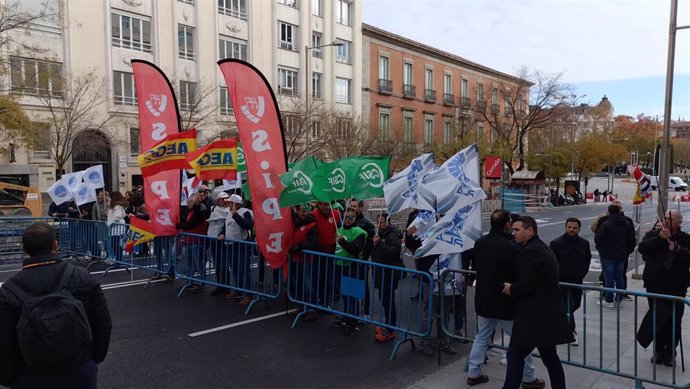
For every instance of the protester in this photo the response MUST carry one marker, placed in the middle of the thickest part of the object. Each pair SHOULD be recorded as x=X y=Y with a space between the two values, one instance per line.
x=66 y=209
x=540 y=319
x=217 y=248
x=205 y=201
x=327 y=221
x=574 y=256
x=99 y=211
x=493 y=259
x=667 y=260
x=351 y=240
x=305 y=237
x=615 y=240
x=238 y=223
x=387 y=245
x=190 y=244
x=596 y=224
x=116 y=214
x=453 y=289
x=74 y=363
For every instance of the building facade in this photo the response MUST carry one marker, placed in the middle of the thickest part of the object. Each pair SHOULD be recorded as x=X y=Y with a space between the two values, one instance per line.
x=426 y=97
x=185 y=38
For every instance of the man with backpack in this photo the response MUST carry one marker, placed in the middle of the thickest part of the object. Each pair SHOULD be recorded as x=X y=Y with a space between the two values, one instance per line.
x=54 y=321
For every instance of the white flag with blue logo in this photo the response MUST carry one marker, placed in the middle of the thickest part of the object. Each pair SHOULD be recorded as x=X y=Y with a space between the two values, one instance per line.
x=84 y=193
x=446 y=270
x=455 y=183
x=455 y=232
x=73 y=179
x=424 y=221
x=59 y=192
x=402 y=190
x=94 y=177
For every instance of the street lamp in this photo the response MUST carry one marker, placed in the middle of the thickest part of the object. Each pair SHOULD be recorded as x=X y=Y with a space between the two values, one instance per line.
x=307 y=72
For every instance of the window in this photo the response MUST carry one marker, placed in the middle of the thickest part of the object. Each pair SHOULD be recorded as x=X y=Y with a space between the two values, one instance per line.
x=480 y=92
x=315 y=43
x=124 y=92
x=134 y=142
x=232 y=48
x=186 y=1
x=384 y=72
x=464 y=88
x=508 y=97
x=316 y=85
x=130 y=33
x=428 y=129
x=316 y=8
x=291 y=123
x=494 y=96
x=315 y=129
x=407 y=73
x=342 y=53
x=287 y=82
x=287 y=36
x=343 y=126
x=34 y=77
x=407 y=129
x=447 y=130
x=343 y=10
x=289 y=3
x=43 y=142
x=225 y=102
x=187 y=95
x=234 y=8
x=429 y=79
x=480 y=132
x=447 y=84
x=384 y=123
x=521 y=107
x=185 y=42
x=342 y=90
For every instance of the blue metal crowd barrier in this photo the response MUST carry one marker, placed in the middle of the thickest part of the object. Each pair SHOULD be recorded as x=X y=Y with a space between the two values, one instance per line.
x=156 y=256
x=84 y=238
x=237 y=266
x=347 y=287
x=11 y=232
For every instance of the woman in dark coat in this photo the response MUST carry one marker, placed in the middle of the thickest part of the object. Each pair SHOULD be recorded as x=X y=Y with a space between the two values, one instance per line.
x=540 y=319
x=387 y=246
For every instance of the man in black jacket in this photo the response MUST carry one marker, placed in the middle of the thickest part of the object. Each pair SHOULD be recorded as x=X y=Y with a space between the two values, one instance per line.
x=573 y=255
x=362 y=222
x=540 y=319
x=493 y=258
x=615 y=240
x=387 y=245
x=39 y=276
x=667 y=261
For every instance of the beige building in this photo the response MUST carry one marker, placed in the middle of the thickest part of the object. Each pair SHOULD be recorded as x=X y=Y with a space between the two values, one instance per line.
x=184 y=38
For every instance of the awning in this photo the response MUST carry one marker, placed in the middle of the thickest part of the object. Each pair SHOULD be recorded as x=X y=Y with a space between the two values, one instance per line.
x=527 y=175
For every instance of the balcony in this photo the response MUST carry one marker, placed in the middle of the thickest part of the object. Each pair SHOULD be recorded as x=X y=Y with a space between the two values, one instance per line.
x=481 y=105
x=465 y=103
x=448 y=99
x=409 y=91
x=495 y=108
x=508 y=111
x=288 y=91
x=385 y=86
x=429 y=95
x=428 y=147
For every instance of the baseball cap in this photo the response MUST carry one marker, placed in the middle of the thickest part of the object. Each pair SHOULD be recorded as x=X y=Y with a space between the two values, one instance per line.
x=223 y=195
x=236 y=198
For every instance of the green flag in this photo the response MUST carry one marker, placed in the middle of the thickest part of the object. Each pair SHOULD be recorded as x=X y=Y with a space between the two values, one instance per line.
x=241 y=165
x=298 y=183
x=365 y=176
x=330 y=182
x=245 y=191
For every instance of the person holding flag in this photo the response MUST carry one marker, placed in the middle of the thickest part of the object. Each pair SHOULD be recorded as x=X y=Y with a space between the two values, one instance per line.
x=305 y=237
x=238 y=224
x=387 y=245
x=327 y=224
x=218 y=250
x=190 y=244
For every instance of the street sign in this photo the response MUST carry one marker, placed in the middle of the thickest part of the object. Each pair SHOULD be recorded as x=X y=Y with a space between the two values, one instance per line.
x=492 y=167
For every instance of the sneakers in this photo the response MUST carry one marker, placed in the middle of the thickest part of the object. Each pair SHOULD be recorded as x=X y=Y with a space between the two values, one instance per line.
x=385 y=336
x=627 y=297
x=575 y=343
x=477 y=380
x=447 y=348
x=606 y=304
x=379 y=330
x=355 y=329
x=536 y=384
x=426 y=349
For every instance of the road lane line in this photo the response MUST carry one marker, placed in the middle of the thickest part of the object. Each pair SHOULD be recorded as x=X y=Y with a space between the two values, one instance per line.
x=241 y=323
x=129 y=283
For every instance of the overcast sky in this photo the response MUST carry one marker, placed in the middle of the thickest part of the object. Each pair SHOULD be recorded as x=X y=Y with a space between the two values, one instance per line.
x=612 y=47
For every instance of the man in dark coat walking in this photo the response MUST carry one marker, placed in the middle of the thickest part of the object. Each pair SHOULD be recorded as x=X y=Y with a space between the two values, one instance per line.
x=667 y=261
x=573 y=255
x=492 y=258
x=40 y=275
x=540 y=319
x=615 y=240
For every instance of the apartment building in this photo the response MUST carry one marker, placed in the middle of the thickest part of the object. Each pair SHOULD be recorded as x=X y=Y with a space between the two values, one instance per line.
x=427 y=97
x=185 y=38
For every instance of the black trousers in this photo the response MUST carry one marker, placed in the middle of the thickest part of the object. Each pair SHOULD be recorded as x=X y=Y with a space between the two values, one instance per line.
x=516 y=364
x=666 y=340
x=572 y=298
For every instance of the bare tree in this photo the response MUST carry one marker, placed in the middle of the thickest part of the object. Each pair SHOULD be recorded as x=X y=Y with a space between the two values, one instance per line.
x=15 y=15
x=529 y=106
x=81 y=104
x=197 y=105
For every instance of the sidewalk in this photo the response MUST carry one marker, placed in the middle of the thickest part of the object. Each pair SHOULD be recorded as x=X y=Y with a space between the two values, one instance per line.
x=454 y=376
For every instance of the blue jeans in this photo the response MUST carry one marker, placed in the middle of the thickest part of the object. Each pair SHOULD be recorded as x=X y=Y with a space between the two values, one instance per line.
x=482 y=341
x=614 y=277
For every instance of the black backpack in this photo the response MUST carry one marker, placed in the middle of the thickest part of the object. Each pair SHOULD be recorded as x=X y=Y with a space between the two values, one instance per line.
x=52 y=328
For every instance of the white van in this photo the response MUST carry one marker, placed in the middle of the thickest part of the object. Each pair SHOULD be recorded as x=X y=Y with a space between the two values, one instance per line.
x=674 y=183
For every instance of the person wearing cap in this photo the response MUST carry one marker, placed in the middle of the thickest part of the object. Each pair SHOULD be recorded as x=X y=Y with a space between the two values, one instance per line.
x=238 y=223
x=218 y=251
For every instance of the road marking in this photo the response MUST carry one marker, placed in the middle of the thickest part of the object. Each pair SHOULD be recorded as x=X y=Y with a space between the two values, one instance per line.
x=241 y=323
x=128 y=283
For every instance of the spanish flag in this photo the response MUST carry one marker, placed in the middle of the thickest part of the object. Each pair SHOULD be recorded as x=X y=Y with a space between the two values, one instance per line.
x=168 y=154
x=140 y=231
x=216 y=161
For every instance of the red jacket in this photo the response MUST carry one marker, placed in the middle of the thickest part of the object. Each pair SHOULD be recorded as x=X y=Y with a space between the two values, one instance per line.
x=327 y=226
